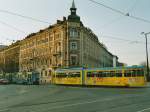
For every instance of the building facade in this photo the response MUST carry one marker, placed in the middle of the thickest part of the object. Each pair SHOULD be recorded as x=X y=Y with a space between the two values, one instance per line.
x=9 y=58
x=68 y=43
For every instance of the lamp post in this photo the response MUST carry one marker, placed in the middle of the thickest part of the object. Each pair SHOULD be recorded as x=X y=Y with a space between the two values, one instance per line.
x=147 y=62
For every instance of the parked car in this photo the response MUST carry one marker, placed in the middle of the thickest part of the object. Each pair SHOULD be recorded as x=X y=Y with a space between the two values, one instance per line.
x=4 y=81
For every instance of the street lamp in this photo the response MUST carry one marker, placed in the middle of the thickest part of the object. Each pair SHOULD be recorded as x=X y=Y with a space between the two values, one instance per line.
x=147 y=63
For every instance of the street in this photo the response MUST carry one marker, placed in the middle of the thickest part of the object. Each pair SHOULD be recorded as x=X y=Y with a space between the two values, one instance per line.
x=55 y=98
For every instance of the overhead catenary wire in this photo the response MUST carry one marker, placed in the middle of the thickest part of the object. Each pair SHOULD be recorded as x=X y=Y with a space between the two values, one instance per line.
x=120 y=17
x=9 y=39
x=120 y=12
x=106 y=36
x=140 y=19
x=23 y=16
x=112 y=22
x=115 y=10
x=12 y=27
x=121 y=39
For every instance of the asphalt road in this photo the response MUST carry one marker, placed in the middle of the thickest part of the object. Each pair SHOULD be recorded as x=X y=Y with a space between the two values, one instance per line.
x=52 y=98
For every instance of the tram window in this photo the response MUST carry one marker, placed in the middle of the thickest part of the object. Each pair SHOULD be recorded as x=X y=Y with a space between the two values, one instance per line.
x=76 y=74
x=68 y=75
x=107 y=74
x=127 y=73
x=91 y=74
x=134 y=73
x=64 y=75
x=104 y=74
x=95 y=74
x=119 y=74
x=99 y=74
x=140 y=73
x=57 y=75
x=61 y=75
x=72 y=75
x=112 y=74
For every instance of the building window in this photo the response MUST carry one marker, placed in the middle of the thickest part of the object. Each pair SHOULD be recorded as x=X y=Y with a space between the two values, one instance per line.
x=57 y=36
x=73 y=45
x=73 y=60
x=45 y=73
x=41 y=73
x=49 y=73
x=50 y=61
x=51 y=38
x=73 y=32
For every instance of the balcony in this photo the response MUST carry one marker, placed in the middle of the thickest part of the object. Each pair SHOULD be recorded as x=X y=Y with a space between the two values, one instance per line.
x=56 y=53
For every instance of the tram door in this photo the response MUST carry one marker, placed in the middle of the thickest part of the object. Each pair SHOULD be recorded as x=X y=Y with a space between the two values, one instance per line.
x=83 y=77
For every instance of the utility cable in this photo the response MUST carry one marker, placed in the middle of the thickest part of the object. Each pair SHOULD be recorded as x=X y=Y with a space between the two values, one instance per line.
x=111 y=22
x=120 y=12
x=126 y=40
x=23 y=16
x=12 y=27
x=115 y=10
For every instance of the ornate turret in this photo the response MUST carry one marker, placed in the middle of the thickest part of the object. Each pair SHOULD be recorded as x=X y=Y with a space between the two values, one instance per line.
x=73 y=17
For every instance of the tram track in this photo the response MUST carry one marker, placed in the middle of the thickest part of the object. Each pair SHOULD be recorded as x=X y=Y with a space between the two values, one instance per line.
x=79 y=102
x=58 y=98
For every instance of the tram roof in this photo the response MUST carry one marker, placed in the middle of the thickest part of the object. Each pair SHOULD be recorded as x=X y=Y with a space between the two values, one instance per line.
x=117 y=68
x=73 y=69
x=104 y=68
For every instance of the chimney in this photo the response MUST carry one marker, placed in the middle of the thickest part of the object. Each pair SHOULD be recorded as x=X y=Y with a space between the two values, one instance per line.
x=64 y=18
x=59 y=21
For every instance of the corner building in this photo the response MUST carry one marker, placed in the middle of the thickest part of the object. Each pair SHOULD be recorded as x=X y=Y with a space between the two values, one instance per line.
x=68 y=43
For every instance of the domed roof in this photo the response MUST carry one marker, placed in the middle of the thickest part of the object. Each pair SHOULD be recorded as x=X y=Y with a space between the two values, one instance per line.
x=73 y=17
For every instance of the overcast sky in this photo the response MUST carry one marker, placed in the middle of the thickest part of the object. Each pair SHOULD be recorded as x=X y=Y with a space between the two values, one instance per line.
x=105 y=23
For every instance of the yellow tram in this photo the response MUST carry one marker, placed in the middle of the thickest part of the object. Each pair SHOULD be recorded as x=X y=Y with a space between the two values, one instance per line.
x=131 y=76
x=68 y=76
x=120 y=76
